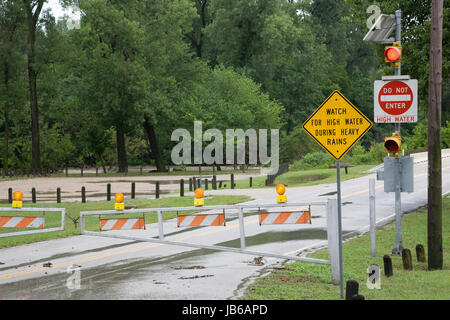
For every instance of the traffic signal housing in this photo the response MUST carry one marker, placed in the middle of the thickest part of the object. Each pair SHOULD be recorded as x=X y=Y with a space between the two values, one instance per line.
x=393 y=53
x=393 y=144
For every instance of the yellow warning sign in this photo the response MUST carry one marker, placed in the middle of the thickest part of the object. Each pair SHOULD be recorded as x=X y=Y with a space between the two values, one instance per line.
x=337 y=125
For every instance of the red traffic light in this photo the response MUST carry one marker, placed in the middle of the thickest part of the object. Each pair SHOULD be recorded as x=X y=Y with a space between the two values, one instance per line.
x=393 y=53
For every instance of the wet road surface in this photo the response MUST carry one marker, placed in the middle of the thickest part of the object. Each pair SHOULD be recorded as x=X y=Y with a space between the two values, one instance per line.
x=91 y=267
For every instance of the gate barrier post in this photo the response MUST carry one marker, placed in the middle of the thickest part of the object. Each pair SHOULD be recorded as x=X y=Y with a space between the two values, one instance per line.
x=333 y=239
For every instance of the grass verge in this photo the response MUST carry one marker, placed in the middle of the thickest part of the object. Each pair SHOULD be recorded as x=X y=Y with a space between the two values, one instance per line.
x=73 y=209
x=306 y=177
x=313 y=282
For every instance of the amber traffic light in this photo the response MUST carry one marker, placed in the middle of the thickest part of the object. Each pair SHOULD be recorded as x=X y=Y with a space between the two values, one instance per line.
x=393 y=144
x=119 y=197
x=18 y=195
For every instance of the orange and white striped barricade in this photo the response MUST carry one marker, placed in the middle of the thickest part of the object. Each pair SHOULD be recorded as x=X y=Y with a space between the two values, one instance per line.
x=198 y=220
x=27 y=218
x=214 y=218
x=292 y=217
x=122 y=224
x=22 y=222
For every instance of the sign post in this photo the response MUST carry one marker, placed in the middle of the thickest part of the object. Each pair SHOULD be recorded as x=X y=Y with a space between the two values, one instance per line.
x=337 y=125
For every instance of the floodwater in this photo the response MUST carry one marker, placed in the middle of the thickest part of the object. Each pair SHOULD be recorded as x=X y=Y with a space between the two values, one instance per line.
x=141 y=276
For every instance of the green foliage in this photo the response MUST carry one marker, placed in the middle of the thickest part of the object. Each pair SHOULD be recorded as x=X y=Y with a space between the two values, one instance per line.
x=360 y=155
x=318 y=160
x=377 y=152
x=296 y=145
x=229 y=63
x=56 y=148
x=268 y=42
x=445 y=135
x=419 y=139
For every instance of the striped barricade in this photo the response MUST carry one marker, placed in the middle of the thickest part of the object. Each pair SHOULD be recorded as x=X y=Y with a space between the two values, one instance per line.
x=122 y=224
x=198 y=220
x=294 y=217
x=22 y=222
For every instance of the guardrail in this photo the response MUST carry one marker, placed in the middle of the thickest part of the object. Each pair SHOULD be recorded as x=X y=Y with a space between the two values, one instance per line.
x=44 y=210
x=332 y=230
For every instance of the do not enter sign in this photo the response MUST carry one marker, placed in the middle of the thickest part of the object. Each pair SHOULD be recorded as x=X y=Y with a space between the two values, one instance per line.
x=395 y=101
x=395 y=97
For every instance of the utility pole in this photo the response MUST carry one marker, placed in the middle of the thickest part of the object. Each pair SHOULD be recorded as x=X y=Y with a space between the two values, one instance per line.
x=435 y=254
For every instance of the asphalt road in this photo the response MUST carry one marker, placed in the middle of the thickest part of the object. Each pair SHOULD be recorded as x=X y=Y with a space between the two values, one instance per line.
x=119 y=269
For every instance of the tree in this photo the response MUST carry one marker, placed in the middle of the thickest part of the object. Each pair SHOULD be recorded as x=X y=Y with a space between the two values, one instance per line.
x=11 y=91
x=274 y=45
x=33 y=10
x=196 y=36
x=170 y=66
x=113 y=71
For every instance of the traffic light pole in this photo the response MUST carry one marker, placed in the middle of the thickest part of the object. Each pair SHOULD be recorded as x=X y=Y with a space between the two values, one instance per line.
x=398 y=202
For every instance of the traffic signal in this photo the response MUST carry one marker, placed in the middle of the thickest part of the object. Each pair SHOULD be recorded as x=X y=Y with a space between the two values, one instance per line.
x=393 y=144
x=393 y=53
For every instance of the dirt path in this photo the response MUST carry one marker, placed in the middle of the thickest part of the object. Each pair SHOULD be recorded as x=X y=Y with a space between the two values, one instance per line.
x=96 y=186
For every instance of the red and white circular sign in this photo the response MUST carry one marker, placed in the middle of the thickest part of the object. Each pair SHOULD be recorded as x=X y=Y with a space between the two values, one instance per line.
x=395 y=97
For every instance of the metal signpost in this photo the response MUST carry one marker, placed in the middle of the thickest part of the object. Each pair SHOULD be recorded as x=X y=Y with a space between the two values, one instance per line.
x=337 y=125
x=395 y=101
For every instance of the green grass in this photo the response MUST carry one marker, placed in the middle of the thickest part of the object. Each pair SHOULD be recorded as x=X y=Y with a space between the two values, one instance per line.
x=73 y=209
x=313 y=281
x=306 y=177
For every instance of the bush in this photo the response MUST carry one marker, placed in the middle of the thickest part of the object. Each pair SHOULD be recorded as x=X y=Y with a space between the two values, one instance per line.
x=419 y=140
x=361 y=158
x=313 y=160
x=296 y=145
x=377 y=152
x=361 y=155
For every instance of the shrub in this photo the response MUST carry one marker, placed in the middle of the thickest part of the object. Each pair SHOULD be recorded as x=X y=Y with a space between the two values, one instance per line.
x=314 y=160
x=377 y=152
x=361 y=155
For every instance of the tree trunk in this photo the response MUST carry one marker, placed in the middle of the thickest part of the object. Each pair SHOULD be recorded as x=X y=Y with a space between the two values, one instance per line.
x=32 y=19
x=102 y=163
x=435 y=253
x=121 y=150
x=35 y=139
x=5 y=143
x=6 y=116
x=151 y=136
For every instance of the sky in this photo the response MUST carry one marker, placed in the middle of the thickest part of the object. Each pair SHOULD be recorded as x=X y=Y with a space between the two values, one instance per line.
x=57 y=10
